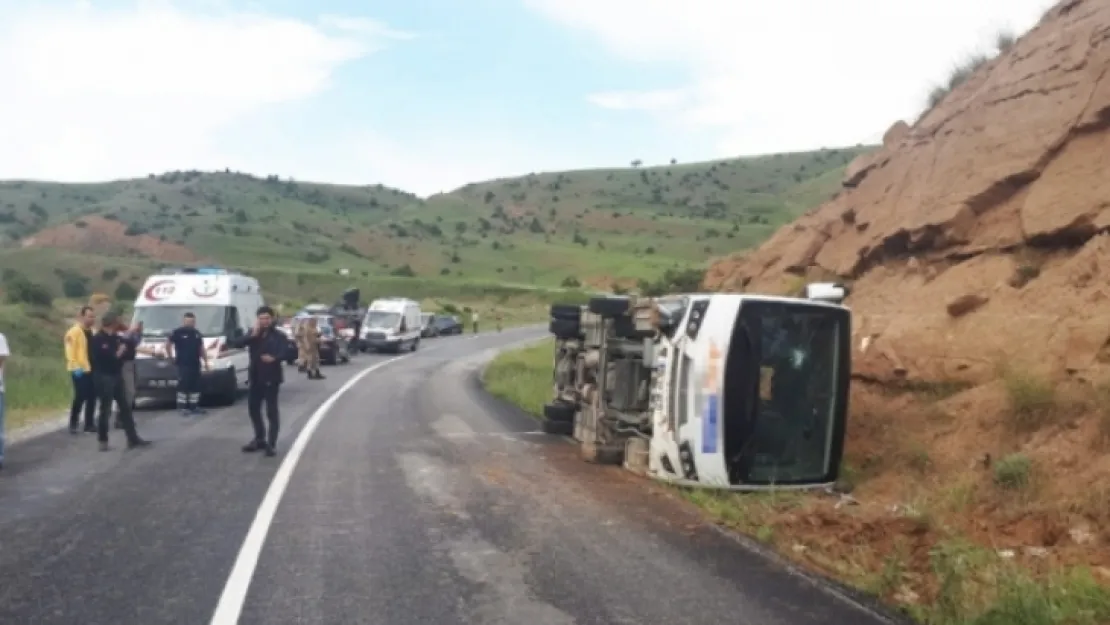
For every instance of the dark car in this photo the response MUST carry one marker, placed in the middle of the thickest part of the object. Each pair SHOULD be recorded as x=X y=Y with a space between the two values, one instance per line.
x=428 y=327
x=334 y=347
x=447 y=324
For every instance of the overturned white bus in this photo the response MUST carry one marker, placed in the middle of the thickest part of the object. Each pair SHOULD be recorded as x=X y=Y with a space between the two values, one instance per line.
x=731 y=391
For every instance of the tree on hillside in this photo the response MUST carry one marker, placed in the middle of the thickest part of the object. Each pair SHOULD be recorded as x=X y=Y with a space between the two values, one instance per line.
x=126 y=292
x=674 y=161
x=20 y=290
x=74 y=286
x=637 y=163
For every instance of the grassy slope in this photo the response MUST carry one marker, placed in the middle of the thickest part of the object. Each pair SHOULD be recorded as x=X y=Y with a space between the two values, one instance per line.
x=973 y=585
x=531 y=230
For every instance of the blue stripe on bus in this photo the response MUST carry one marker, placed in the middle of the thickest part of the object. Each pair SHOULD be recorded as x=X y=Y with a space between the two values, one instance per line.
x=709 y=424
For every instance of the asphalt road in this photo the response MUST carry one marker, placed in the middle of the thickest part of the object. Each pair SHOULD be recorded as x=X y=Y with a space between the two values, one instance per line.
x=415 y=499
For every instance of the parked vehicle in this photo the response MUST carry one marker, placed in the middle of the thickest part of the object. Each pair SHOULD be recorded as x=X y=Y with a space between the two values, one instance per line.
x=225 y=304
x=733 y=391
x=447 y=324
x=334 y=348
x=391 y=324
x=428 y=328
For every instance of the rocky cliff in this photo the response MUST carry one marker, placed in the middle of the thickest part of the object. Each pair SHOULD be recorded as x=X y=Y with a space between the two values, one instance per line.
x=976 y=237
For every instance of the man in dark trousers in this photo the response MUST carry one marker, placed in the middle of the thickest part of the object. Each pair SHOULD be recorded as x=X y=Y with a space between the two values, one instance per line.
x=77 y=340
x=267 y=344
x=107 y=351
x=186 y=347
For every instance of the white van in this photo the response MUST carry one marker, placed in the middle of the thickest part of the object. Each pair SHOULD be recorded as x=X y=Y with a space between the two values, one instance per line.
x=391 y=324
x=225 y=304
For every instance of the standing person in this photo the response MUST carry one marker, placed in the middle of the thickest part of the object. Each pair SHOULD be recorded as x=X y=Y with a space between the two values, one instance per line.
x=356 y=333
x=497 y=319
x=474 y=320
x=131 y=338
x=185 y=347
x=310 y=343
x=107 y=360
x=299 y=329
x=79 y=365
x=4 y=353
x=266 y=344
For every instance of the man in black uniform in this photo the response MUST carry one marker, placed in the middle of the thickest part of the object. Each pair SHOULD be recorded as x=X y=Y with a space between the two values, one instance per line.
x=267 y=344
x=186 y=347
x=107 y=351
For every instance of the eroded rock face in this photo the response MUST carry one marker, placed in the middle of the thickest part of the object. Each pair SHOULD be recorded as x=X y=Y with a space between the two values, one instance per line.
x=1014 y=163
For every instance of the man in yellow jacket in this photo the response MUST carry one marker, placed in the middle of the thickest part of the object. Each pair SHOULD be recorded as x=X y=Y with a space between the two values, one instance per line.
x=79 y=365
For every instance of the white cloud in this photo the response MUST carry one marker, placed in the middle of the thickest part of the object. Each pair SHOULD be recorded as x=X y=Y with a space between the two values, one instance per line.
x=659 y=100
x=789 y=74
x=92 y=93
x=364 y=26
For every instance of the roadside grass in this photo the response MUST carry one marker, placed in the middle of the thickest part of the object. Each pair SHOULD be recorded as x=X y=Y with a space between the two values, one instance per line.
x=969 y=584
x=931 y=572
x=523 y=377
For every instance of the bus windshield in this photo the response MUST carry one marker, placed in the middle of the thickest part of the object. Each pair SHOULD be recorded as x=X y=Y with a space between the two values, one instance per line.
x=791 y=432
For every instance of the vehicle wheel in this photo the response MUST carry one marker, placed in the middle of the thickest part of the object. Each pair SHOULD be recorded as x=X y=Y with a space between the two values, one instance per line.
x=609 y=306
x=559 y=428
x=559 y=411
x=566 y=311
x=415 y=345
x=565 y=328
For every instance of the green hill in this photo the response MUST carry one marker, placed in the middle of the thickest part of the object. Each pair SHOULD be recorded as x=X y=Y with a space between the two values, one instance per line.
x=631 y=223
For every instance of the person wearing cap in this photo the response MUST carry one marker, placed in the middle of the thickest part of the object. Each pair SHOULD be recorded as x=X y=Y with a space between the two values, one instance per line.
x=107 y=350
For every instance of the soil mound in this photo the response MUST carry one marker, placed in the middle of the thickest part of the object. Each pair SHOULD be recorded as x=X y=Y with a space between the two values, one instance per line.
x=977 y=236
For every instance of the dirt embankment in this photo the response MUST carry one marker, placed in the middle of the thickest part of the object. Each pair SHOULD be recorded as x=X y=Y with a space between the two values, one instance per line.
x=976 y=246
x=96 y=235
x=978 y=233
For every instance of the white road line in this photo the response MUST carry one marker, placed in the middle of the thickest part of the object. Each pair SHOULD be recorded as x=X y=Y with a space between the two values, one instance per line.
x=238 y=582
x=234 y=595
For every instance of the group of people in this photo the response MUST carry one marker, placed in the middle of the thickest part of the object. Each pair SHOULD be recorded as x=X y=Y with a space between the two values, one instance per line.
x=101 y=365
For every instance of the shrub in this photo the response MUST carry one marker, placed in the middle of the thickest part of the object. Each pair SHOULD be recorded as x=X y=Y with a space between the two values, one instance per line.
x=74 y=286
x=1013 y=471
x=20 y=290
x=1031 y=399
x=125 y=291
x=1004 y=41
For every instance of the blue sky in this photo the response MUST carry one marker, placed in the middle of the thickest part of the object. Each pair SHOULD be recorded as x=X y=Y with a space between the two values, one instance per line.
x=429 y=94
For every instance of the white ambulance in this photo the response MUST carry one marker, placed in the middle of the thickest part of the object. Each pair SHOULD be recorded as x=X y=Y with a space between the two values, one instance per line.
x=391 y=324
x=224 y=303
